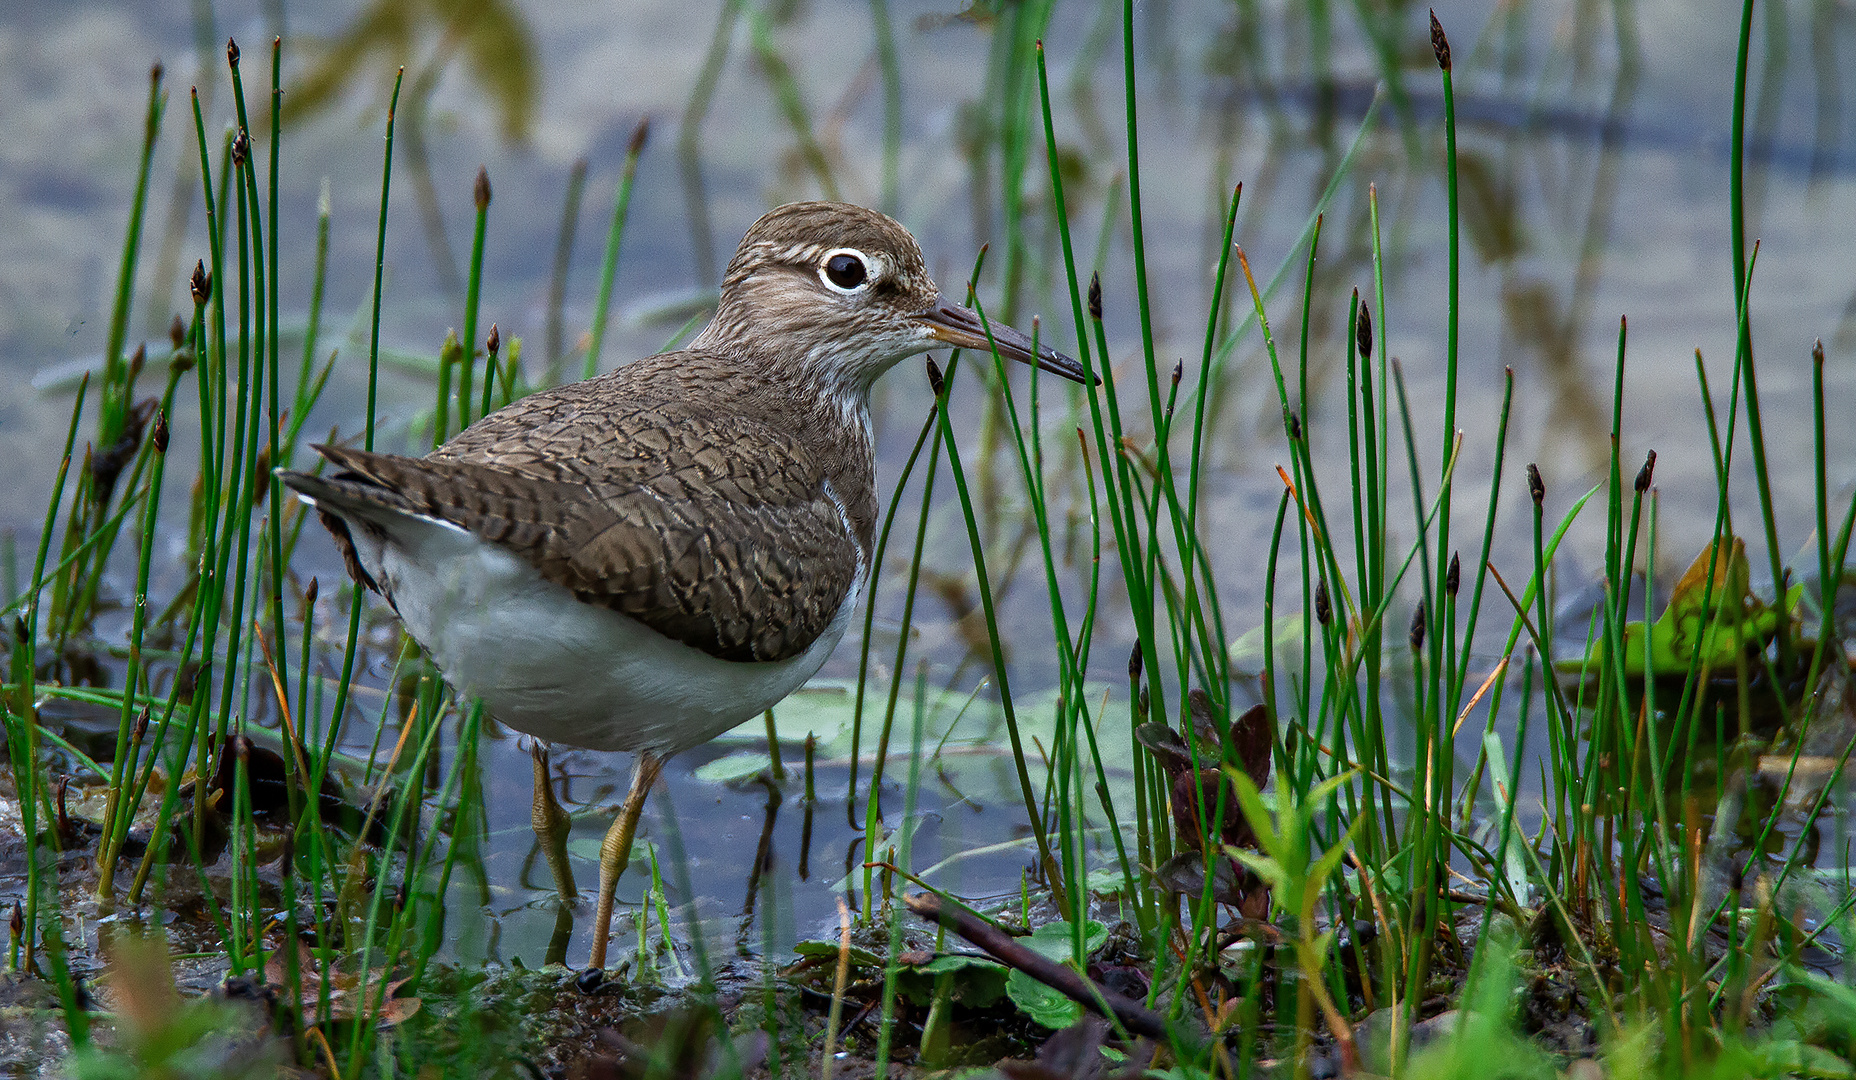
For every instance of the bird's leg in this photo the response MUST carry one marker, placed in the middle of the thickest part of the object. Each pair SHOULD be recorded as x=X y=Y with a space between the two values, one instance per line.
x=616 y=851
x=551 y=824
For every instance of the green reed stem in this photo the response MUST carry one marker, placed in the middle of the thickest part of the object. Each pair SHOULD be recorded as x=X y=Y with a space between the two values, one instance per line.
x=621 y=201
x=1035 y=819
x=480 y=194
x=25 y=750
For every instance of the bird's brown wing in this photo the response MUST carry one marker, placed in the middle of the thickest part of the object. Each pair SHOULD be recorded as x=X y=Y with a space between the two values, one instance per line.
x=713 y=528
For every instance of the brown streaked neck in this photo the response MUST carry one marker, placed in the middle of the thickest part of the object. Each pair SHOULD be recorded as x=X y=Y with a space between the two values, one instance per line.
x=831 y=415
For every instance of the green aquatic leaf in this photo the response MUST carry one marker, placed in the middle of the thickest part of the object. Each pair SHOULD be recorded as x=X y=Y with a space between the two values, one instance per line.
x=974 y=981
x=733 y=768
x=828 y=950
x=1040 y=1002
x=1711 y=612
x=1053 y=942
x=1247 y=651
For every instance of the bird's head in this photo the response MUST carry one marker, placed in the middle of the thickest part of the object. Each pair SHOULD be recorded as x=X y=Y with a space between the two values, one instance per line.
x=843 y=292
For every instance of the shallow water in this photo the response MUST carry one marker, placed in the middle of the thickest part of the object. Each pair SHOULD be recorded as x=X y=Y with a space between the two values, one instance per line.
x=1595 y=183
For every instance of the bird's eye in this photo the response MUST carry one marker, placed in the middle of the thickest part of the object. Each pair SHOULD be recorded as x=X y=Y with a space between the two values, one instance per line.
x=845 y=271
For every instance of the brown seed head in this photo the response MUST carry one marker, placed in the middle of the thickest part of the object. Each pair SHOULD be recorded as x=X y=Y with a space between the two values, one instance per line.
x=201 y=283
x=161 y=432
x=1453 y=577
x=177 y=333
x=1134 y=664
x=1364 y=332
x=1416 y=634
x=1324 y=608
x=310 y=593
x=1095 y=297
x=936 y=382
x=1536 y=487
x=1439 y=43
x=481 y=191
x=494 y=341
x=241 y=148
x=232 y=52
x=1643 y=475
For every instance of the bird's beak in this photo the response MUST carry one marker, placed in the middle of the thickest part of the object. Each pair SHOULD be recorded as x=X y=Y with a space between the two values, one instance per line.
x=961 y=328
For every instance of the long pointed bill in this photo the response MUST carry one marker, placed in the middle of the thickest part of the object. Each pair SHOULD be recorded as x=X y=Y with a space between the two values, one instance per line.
x=961 y=328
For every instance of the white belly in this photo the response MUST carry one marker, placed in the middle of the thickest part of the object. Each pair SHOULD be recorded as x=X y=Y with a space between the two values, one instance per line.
x=549 y=665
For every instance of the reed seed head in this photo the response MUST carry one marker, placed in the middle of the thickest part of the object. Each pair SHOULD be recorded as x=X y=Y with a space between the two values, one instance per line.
x=309 y=594
x=140 y=729
x=1453 y=577
x=1294 y=423
x=161 y=432
x=481 y=190
x=201 y=284
x=1134 y=664
x=241 y=148
x=177 y=333
x=936 y=381
x=1416 y=633
x=1536 y=487
x=1649 y=469
x=639 y=135
x=494 y=341
x=1439 y=43
x=1324 y=608
x=1095 y=296
x=1364 y=331
x=232 y=52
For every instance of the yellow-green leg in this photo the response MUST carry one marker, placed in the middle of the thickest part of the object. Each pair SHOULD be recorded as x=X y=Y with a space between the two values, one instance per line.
x=615 y=852
x=551 y=824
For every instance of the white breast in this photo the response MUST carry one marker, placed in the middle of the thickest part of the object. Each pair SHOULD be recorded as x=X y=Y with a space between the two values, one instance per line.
x=547 y=664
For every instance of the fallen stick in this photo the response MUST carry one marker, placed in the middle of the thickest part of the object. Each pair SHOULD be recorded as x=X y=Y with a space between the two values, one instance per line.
x=1137 y=1018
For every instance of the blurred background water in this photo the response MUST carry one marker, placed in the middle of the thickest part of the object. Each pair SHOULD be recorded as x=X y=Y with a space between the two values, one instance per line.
x=1595 y=163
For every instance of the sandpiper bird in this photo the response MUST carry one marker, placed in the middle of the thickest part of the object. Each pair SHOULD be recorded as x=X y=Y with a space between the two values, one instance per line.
x=646 y=559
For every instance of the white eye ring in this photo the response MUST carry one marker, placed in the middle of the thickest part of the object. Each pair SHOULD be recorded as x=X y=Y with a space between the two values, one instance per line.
x=845 y=271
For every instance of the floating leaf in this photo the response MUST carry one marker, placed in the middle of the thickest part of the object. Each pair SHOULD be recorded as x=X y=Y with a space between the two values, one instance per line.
x=1045 y=1004
x=1247 y=653
x=976 y=981
x=828 y=950
x=1712 y=611
x=1053 y=941
x=733 y=768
